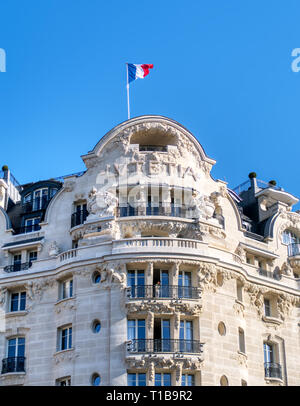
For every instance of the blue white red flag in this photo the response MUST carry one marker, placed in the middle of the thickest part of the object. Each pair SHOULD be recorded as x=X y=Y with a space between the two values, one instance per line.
x=138 y=71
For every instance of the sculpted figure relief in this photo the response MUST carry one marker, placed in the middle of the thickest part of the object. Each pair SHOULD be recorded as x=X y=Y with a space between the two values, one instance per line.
x=101 y=203
x=202 y=205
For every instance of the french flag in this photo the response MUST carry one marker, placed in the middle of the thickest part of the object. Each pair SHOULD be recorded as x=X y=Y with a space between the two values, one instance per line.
x=138 y=71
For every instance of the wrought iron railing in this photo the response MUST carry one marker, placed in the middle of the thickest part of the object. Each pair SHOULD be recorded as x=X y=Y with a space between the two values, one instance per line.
x=27 y=229
x=18 y=267
x=170 y=210
x=293 y=249
x=78 y=217
x=163 y=292
x=164 y=345
x=273 y=370
x=13 y=364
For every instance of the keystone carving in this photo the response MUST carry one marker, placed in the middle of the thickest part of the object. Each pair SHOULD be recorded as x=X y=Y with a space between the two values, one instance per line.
x=101 y=203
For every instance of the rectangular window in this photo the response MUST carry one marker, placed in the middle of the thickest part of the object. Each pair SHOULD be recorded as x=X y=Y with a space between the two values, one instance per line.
x=136 y=280
x=16 y=347
x=32 y=225
x=188 y=380
x=267 y=307
x=32 y=256
x=136 y=332
x=162 y=379
x=18 y=301
x=136 y=379
x=67 y=289
x=65 y=339
x=242 y=347
x=184 y=284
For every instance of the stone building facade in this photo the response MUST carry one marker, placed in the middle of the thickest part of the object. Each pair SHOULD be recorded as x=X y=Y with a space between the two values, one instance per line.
x=143 y=269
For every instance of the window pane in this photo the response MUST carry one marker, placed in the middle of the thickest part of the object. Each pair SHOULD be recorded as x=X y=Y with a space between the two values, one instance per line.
x=14 y=307
x=167 y=379
x=131 y=329
x=21 y=347
x=142 y=379
x=158 y=380
x=23 y=301
x=131 y=379
x=12 y=346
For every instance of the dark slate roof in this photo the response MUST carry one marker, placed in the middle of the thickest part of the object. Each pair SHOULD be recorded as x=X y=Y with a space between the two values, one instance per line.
x=22 y=242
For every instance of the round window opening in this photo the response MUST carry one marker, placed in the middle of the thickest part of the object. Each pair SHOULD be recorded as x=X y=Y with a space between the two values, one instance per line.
x=96 y=326
x=96 y=380
x=96 y=277
x=222 y=328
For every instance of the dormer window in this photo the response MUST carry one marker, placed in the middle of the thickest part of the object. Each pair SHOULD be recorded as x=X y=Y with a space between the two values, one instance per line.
x=40 y=198
x=32 y=225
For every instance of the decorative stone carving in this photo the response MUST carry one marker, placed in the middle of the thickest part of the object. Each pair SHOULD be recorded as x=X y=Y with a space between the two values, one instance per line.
x=64 y=356
x=101 y=203
x=256 y=295
x=239 y=308
x=203 y=207
x=35 y=290
x=53 y=249
x=189 y=309
x=162 y=362
x=65 y=305
x=112 y=275
x=241 y=253
x=3 y=296
x=69 y=185
x=285 y=304
x=286 y=269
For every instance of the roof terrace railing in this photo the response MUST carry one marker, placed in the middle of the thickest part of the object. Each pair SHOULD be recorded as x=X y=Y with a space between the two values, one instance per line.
x=260 y=183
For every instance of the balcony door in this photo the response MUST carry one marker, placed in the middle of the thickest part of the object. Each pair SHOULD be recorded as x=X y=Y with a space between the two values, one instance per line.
x=15 y=354
x=184 y=284
x=186 y=336
x=136 y=332
x=17 y=262
x=162 y=335
x=161 y=283
x=136 y=281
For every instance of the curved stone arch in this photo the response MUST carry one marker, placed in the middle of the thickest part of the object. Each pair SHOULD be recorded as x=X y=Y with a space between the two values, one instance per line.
x=4 y=219
x=280 y=222
x=164 y=124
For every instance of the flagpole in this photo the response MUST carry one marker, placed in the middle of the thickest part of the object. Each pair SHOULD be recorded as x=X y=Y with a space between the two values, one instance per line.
x=128 y=105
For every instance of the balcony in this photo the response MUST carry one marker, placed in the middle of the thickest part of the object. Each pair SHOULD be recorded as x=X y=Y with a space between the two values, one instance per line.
x=164 y=346
x=273 y=370
x=168 y=245
x=163 y=292
x=27 y=229
x=78 y=218
x=13 y=364
x=17 y=267
x=269 y=274
x=170 y=211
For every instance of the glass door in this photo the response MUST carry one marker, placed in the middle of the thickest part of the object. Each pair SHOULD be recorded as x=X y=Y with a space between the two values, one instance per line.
x=184 y=284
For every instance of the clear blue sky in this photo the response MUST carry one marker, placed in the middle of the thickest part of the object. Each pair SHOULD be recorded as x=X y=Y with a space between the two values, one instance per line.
x=221 y=68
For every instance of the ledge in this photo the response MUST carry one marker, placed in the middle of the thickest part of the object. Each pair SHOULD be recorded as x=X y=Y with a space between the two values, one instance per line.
x=273 y=320
x=16 y=314
x=274 y=380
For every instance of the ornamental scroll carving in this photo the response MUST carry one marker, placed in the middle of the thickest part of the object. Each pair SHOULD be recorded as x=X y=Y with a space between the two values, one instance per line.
x=163 y=308
x=189 y=363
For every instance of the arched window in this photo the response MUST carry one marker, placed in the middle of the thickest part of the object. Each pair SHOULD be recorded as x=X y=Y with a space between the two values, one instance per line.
x=288 y=237
x=224 y=381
